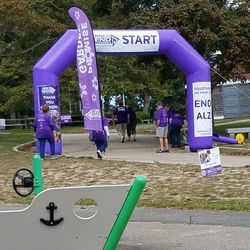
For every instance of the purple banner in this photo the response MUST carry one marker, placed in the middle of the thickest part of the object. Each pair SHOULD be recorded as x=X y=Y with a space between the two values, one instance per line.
x=50 y=95
x=66 y=119
x=211 y=171
x=87 y=71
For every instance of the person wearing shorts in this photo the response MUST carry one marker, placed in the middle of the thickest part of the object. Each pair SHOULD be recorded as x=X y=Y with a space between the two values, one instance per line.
x=162 y=119
x=121 y=116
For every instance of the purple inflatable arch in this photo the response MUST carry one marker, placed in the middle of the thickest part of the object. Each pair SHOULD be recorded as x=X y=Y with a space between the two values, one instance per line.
x=47 y=71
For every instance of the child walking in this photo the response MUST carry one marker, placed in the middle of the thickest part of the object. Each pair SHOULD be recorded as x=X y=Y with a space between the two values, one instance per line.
x=101 y=139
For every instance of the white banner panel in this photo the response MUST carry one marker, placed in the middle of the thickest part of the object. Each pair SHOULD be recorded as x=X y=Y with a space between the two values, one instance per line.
x=2 y=124
x=126 y=40
x=202 y=106
x=210 y=161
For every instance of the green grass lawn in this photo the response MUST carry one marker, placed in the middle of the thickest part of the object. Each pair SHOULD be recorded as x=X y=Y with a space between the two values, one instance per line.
x=220 y=126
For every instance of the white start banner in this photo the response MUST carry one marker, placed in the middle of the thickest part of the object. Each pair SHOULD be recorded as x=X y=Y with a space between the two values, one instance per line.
x=202 y=106
x=126 y=41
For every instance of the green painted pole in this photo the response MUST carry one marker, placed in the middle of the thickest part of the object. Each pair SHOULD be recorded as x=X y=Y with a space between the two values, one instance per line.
x=125 y=213
x=38 y=178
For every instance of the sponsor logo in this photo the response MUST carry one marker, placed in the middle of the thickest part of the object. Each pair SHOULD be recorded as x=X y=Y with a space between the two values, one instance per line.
x=94 y=114
x=108 y=40
x=48 y=90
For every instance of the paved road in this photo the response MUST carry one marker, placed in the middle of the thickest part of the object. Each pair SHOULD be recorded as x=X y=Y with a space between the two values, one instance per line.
x=173 y=229
x=143 y=150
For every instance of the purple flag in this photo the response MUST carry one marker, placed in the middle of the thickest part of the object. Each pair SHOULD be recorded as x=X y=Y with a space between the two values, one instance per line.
x=87 y=71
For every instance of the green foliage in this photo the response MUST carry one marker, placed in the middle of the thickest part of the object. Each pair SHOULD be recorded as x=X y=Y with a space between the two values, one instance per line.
x=142 y=115
x=128 y=76
x=29 y=28
x=208 y=26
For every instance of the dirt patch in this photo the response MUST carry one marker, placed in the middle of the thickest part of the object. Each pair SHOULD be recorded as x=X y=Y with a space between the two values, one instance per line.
x=168 y=185
x=239 y=153
x=29 y=147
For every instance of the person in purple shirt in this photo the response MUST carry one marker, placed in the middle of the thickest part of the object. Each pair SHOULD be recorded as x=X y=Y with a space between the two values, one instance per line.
x=176 y=126
x=121 y=116
x=101 y=138
x=170 y=115
x=162 y=120
x=44 y=131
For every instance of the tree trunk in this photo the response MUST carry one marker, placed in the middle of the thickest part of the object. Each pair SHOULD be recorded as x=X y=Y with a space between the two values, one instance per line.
x=147 y=103
x=13 y=115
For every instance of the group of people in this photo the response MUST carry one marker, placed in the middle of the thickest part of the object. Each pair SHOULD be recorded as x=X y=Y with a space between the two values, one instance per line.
x=168 y=127
x=125 y=119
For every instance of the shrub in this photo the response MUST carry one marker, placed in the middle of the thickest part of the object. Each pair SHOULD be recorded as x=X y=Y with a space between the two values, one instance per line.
x=141 y=115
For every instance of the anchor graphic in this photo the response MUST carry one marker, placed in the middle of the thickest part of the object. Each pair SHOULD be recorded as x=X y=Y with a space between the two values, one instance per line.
x=52 y=207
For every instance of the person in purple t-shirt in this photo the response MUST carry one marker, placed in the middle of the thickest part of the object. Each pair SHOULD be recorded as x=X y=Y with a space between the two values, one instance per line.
x=162 y=119
x=170 y=115
x=101 y=138
x=44 y=131
x=121 y=116
x=176 y=126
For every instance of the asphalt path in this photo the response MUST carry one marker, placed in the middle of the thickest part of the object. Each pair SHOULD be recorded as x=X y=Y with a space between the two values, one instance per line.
x=143 y=150
x=171 y=229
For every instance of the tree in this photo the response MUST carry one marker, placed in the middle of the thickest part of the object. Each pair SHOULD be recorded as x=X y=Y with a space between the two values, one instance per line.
x=25 y=35
x=131 y=77
x=208 y=26
x=29 y=28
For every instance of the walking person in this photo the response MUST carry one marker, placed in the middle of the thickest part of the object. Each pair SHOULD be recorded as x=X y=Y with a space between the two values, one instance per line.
x=176 y=126
x=162 y=119
x=121 y=116
x=101 y=138
x=44 y=130
x=131 y=127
